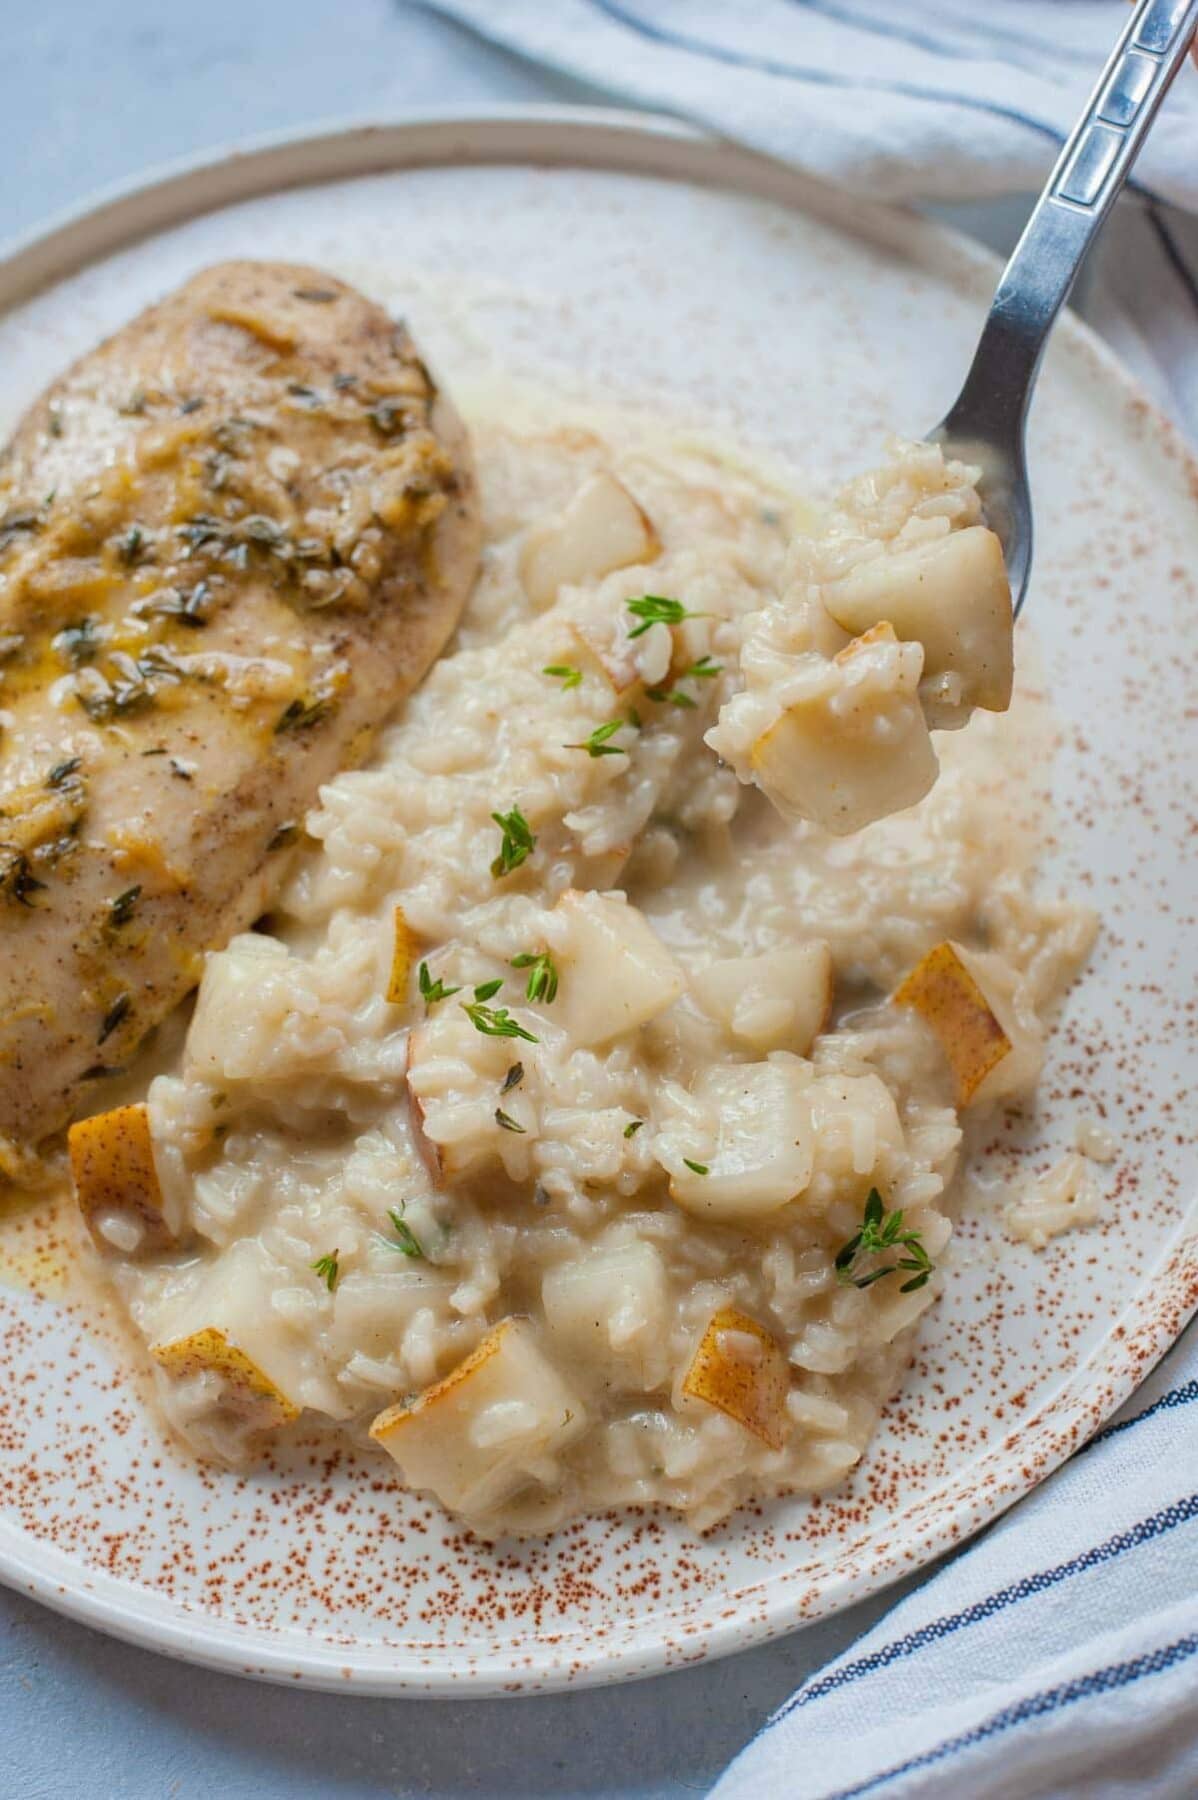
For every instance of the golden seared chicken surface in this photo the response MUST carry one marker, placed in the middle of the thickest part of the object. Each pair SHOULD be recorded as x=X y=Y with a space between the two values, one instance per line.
x=231 y=539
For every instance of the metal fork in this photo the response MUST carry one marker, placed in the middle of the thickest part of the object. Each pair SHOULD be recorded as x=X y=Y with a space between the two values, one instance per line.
x=985 y=424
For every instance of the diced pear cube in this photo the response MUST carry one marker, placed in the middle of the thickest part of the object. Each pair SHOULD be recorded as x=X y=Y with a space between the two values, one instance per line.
x=608 y=1309
x=403 y=955
x=966 y=996
x=454 y=1075
x=858 y=1136
x=613 y=656
x=856 y=751
x=740 y=1145
x=601 y=529
x=779 y=1000
x=248 y=1392
x=741 y=1369
x=492 y=1426
x=116 y=1182
x=615 y=973
x=950 y=594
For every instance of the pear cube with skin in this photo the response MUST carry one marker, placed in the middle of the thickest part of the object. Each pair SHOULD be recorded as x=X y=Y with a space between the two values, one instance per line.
x=858 y=748
x=601 y=529
x=611 y=654
x=116 y=1182
x=967 y=997
x=453 y=1077
x=779 y=1000
x=950 y=594
x=742 y=1370
x=492 y=1426
x=608 y=1309
x=246 y=1390
x=739 y=1145
x=615 y=974
x=403 y=955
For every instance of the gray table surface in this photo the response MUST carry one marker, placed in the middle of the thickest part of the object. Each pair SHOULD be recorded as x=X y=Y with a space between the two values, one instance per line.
x=91 y=95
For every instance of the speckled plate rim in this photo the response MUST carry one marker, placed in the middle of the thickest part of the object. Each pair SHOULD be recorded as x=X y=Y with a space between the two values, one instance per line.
x=613 y=140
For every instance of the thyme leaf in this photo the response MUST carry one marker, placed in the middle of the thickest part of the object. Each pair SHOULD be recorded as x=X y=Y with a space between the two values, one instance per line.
x=517 y=845
x=117 y=1013
x=431 y=991
x=299 y=714
x=16 y=877
x=506 y=1122
x=698 y=1167
x=655 y=609
x=495 y=1021
x=406 y=1241
x=597 y=744
x=563 y=672
x=328 y=1269
x=542 y=975
x=880 y=1232
x=120 y=910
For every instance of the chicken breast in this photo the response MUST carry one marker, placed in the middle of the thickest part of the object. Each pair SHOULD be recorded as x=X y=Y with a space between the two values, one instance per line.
x=231 y=539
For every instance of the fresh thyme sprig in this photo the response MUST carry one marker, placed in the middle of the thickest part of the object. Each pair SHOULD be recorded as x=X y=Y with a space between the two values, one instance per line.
x=328 y=1269
x=655 y=609
x=881 y=1231
x=518 y=843
x=542 y=975
x=406 y=1241
x=431 y=991
x=495 y=1021
x=597 y=744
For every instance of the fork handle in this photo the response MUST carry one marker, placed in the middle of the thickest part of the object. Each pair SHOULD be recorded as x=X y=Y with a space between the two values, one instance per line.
x=1070 y=212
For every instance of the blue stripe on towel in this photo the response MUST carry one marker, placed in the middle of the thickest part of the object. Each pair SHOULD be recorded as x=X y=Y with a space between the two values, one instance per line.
x=1039 y=1706
x=765 y=65
x=866 y=22
x=1181 y=1512
x=1185 y=1395
x=998 y=40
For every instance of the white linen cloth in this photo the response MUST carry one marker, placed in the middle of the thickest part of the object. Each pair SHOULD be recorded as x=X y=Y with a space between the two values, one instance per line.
x=908 y=100
x=1059 y=1654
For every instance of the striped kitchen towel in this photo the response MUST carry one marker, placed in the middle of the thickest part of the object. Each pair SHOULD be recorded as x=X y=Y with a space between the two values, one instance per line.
x=907 y=100
x=1057 y=1656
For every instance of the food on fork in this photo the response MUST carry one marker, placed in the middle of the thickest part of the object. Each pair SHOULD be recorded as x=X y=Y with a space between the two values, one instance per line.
x=895 y=621
x=231 y=539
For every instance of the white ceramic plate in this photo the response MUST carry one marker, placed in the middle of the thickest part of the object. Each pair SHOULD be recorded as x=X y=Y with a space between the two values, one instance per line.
x=682 y=274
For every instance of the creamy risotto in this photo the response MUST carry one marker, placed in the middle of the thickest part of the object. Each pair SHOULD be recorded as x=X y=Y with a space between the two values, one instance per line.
x=581 y=1130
